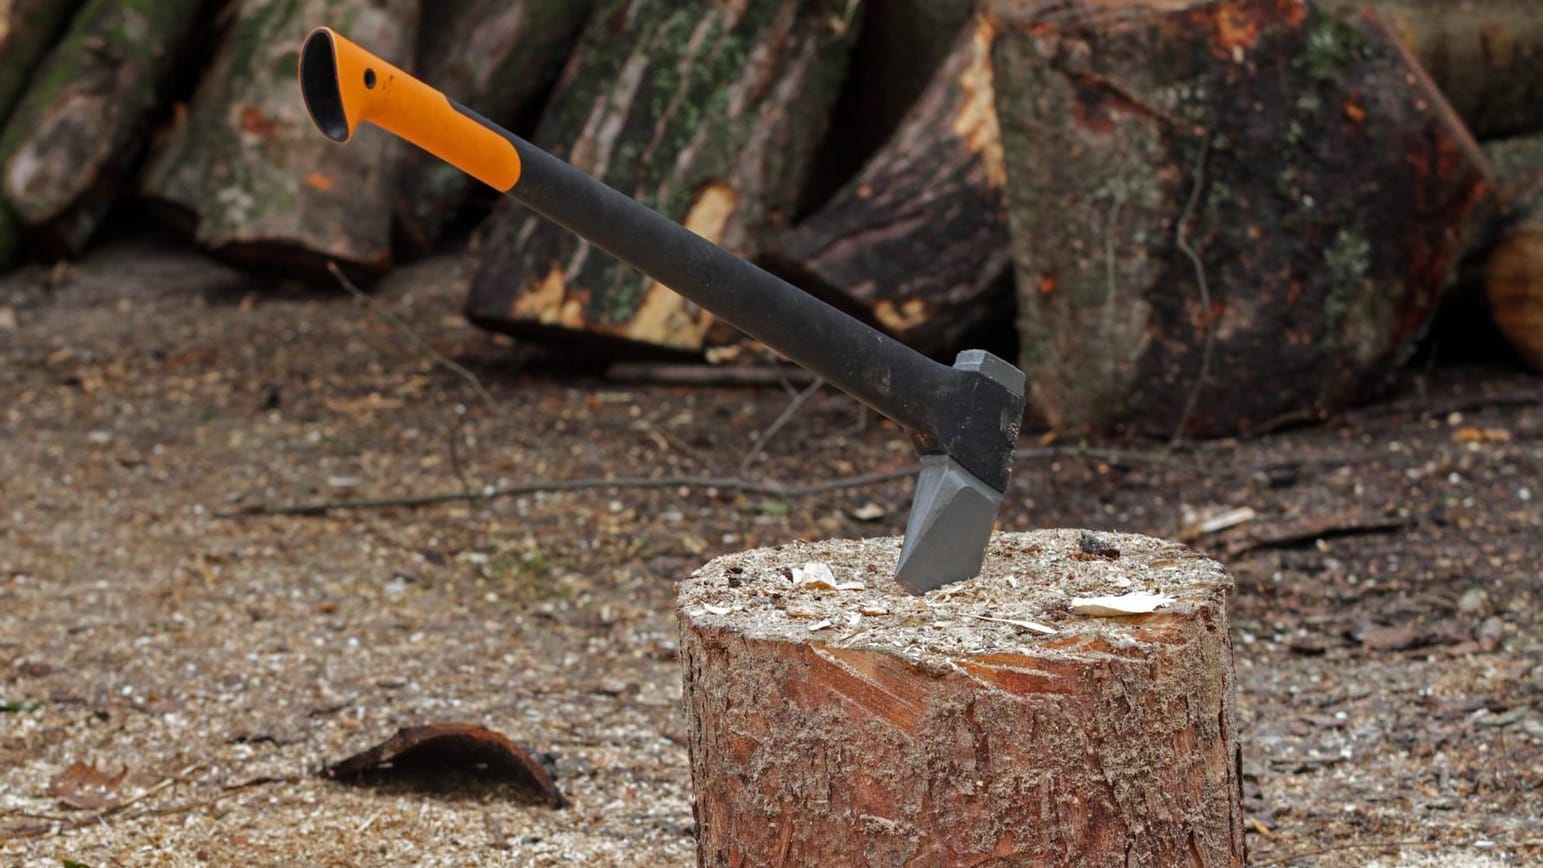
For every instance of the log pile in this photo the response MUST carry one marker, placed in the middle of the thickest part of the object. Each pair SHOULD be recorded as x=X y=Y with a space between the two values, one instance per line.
x=1169 y=203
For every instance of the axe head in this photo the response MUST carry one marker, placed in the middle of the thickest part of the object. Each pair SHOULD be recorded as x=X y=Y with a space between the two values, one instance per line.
x=954 y=509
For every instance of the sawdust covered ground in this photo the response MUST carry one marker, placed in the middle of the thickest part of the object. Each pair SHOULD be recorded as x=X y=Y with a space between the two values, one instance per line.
x=1386 y=623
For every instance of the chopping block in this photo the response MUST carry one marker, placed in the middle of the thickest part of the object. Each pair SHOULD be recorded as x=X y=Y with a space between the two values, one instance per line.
x=836 y=719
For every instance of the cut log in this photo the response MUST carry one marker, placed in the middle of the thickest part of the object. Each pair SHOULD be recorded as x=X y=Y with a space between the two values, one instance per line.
x=246 y=173
x=498 y=55
x=1513 y=273
x=1226 y=215
x=710 y=114
x=28 y=29
x=1484 y=55
x=901 y=45
x=81 y=127
x=985 y=723
x=918 y=240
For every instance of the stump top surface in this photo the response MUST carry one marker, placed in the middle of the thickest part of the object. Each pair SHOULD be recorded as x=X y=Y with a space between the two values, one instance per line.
x=1028 y=583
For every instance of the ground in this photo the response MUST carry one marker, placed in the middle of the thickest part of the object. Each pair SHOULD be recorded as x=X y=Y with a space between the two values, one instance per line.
x=1386 y=619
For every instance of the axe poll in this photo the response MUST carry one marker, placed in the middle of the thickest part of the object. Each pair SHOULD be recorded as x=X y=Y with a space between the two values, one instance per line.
x=964 y=419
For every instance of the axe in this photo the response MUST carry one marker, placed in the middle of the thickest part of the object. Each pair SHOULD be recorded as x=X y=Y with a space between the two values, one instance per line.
x=964 y=419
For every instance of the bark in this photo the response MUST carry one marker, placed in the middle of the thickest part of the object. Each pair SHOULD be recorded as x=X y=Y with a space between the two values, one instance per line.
x=918 y=240
x=1226 y=215
x=70 y=143
x=897 y=730
x=499 y=56
x=245 y=171
x=1513 y=273
x=1484 y=55
x=710 y=114
x=28 y=29
x=902 y=44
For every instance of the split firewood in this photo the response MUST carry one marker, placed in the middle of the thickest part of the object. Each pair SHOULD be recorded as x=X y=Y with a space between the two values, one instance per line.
x=497 y=55
x=711 y=114
x=918 y=240
x=80 y=128
x=1226 y=215
x=1484 y=55
x=244 y=171
x=1513 y=272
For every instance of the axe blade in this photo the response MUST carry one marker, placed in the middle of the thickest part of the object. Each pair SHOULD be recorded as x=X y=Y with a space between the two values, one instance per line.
x=951 y=520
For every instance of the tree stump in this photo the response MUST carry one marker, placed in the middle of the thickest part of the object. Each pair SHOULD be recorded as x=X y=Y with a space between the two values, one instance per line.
x=1513 y=271
x=708 y=113
x=245 y=172
x=81 y=127
x=983 y=723
x=1484 y=55
x=1227 y=214
x=918 y=240
x=501 y=56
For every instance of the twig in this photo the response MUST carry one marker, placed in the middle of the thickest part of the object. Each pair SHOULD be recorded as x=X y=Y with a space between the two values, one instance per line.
x=672 y=374
x=396 y=322
x=1181 y=239
x=799 y=400
x=737 y=485
x=645 y=483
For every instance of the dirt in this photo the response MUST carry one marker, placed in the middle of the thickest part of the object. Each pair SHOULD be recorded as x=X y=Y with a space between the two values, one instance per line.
x=1386 y=619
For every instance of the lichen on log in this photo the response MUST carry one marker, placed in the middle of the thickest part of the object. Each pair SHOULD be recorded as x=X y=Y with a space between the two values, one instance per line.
x=81 y=126
x=986 y=723
x=1226 y=215
x=501 y=56
x=1484 y=55
x=246 y=173
x=710 y=114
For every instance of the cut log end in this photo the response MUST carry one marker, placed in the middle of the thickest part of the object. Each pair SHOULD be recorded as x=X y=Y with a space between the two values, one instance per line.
x=986 y=721
x=1513 y=283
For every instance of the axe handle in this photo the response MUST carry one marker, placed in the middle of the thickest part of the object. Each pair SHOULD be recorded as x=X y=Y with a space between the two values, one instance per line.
x=949 y=410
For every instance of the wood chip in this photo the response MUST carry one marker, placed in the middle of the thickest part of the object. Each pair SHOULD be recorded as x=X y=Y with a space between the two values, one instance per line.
x=1033 y=626
x=1125 y=604
x=814 y=576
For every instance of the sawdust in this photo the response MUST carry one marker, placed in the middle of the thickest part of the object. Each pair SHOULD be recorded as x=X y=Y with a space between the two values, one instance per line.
x=1028 y=578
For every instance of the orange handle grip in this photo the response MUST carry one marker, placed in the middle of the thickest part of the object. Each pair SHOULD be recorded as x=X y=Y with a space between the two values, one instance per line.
x=344 y=85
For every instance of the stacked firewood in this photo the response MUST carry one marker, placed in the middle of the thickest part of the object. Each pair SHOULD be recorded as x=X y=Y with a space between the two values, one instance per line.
x=1200 y=217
